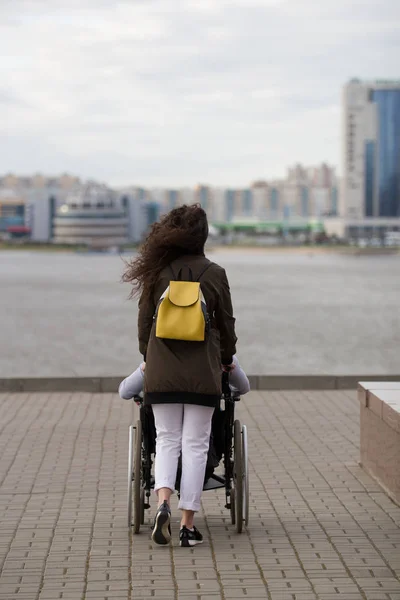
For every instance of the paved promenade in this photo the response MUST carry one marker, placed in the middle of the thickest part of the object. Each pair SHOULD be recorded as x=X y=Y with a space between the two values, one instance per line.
x=319 y=527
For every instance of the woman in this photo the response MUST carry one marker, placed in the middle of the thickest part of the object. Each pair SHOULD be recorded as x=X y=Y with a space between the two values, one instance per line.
x=182 y=380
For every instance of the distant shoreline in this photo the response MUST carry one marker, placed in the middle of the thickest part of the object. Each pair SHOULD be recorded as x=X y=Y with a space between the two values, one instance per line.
x=352 y=250
x=247 y=249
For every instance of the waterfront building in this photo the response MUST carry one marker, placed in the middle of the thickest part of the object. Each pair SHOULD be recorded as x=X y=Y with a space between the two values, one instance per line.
x=370 y=199
x=94 y=216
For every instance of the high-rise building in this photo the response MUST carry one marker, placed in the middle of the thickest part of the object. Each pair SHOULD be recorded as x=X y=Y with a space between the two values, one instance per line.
x=218 y=205
x=324 y=192
x=138 y=213
x=260 y=194
x=41 y=213
x=371 y=153
x=229 y=205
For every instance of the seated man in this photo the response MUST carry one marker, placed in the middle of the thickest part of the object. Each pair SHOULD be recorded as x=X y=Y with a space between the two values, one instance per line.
x=132 y=386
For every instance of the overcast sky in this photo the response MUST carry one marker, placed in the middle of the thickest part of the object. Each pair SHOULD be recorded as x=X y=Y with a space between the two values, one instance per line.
x=176 y=92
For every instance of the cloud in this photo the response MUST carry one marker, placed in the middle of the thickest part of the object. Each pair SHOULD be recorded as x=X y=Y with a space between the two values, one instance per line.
x=154 y=93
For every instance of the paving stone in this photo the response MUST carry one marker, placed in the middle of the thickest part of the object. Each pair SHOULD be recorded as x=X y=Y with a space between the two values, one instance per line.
x=319 y=526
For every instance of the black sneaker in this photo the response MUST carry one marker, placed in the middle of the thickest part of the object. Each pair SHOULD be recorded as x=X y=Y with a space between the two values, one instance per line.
x=188 y=537
x=162 y=525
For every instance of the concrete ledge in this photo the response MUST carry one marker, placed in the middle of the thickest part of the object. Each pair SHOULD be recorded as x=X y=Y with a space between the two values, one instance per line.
x=380 y=434
x=257 y=382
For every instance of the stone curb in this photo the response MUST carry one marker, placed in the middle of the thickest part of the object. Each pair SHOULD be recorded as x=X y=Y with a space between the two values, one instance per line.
x=257 y=382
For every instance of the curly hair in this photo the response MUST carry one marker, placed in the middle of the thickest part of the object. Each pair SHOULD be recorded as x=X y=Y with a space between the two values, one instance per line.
x=183 y=230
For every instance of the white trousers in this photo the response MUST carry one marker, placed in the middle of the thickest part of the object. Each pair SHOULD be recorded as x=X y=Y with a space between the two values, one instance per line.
x=182 y=428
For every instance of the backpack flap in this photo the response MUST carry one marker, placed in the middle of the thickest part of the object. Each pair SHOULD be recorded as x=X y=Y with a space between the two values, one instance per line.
x=184 y=293
x=180 y=314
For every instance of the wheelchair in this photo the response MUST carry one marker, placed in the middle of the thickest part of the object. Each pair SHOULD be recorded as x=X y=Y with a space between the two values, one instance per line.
x=228 y=448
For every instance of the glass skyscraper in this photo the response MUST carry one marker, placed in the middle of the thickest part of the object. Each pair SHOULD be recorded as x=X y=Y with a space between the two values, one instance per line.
x=372 y=149
x=387 y=149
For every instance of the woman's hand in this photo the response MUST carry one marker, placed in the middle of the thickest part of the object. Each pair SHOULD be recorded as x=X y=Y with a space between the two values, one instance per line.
x=228 y=368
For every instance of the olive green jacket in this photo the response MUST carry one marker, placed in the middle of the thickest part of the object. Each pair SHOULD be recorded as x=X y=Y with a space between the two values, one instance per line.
x=188 y=372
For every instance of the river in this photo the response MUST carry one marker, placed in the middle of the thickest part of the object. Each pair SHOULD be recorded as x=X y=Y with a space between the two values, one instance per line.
x=64 y=314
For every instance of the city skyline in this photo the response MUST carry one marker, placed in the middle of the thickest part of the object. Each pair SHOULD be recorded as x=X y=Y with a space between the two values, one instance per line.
x=19 y=183
x=148 y=93
x=66 y=209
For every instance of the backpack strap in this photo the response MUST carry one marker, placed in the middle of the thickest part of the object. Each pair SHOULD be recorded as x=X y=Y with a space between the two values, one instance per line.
x=172 y=271
x=179 y=276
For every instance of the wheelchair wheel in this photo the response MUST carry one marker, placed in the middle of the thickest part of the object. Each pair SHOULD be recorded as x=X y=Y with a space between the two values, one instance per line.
x=130 y=475
x=142 y=506
x=232 y=502
x=238 y=474
x=138 y=507
x=246 y=491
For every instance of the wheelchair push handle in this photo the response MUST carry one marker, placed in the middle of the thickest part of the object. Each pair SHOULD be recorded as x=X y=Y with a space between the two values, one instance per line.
x=226 y=389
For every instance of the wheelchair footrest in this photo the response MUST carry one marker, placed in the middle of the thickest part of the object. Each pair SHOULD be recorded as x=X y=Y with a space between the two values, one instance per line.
x=214 y=483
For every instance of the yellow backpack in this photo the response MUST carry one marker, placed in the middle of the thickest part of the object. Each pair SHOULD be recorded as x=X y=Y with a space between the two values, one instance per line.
x=181 y=312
